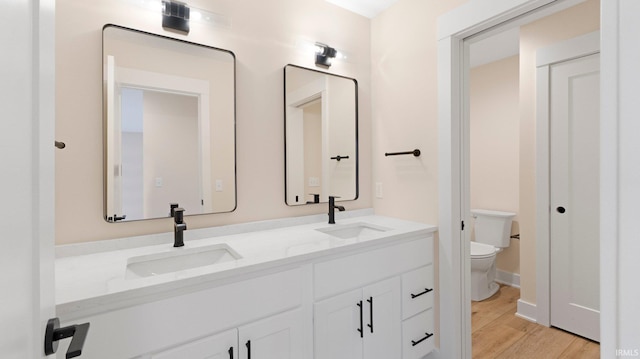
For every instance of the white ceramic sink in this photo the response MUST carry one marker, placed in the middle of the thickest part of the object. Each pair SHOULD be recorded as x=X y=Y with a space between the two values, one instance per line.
x=353 y=230
x=179 y=259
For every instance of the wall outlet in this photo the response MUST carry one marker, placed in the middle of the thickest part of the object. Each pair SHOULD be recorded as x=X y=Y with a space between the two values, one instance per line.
x=218 y=185
x=378 y=189
x=158 y=182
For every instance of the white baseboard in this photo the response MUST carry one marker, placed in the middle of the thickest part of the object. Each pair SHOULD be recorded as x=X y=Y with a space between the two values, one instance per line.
x=510 y=279
x=526 y=311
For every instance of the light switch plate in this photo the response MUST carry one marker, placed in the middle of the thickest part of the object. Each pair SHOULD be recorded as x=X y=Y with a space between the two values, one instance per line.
x=218 y=185
x=378 y=189
x=314 y=182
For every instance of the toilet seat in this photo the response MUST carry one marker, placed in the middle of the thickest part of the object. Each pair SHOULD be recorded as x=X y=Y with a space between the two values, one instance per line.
x=481 y=250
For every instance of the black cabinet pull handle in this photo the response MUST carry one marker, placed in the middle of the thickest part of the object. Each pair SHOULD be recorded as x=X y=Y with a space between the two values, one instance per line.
x=426 y=290
x=561 y=210
x=248 y=349
x=360 y=329
x=370 y=325
x=230 y=352
x=414 y=343
x=54 y=333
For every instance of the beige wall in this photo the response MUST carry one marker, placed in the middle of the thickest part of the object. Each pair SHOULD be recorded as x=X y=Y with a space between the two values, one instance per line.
x=578 y=20
x=263 y=36
x=404 y=96
x=494 y=120
x=405 y=114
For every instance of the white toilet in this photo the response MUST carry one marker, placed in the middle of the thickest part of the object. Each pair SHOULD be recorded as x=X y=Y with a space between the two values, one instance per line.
x=493 y=232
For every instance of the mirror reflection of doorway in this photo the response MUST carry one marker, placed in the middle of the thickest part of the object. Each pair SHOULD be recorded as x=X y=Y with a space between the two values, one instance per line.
x=163 y=126
x=312 y=129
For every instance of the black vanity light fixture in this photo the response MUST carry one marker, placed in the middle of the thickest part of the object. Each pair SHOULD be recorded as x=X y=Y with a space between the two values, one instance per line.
x=324 y=54
x=175 y=16
x=170 y=12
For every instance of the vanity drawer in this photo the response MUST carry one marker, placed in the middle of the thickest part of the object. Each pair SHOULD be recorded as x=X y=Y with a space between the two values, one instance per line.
x=417 y=291
x=418 y=335
x=346 y=273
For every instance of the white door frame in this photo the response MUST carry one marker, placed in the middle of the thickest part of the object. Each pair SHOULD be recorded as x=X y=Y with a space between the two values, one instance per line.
x=467 y=20
x=577 y=47
x=146 y=80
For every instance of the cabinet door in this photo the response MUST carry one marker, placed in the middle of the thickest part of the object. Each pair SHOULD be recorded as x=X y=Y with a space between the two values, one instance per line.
x=220 y=346
x=276 y=337
x=337 y=321
x=383 y=319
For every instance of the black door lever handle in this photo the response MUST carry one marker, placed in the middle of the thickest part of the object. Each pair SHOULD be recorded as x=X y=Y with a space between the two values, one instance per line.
x=54 y=333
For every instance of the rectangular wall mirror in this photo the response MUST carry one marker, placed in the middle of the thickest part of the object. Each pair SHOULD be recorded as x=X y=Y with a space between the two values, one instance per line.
x=321 y=136
x=169 y=120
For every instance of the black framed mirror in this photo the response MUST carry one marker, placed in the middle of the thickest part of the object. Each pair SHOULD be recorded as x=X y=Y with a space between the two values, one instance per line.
x=169 y=121
x=321 y=136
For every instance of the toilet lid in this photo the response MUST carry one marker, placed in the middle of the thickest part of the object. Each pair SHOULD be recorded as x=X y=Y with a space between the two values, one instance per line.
x=481 y=250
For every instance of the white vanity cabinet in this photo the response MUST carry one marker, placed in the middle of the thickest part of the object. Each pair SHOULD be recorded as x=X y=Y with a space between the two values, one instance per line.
x=272 y=311
x=360 y=309
x=296 y=293
x=276 y=337
x=417 y=313
x=219 y=346
x=364 y=323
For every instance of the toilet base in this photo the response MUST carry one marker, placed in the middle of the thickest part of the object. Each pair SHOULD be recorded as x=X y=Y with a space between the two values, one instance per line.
x=484 y=293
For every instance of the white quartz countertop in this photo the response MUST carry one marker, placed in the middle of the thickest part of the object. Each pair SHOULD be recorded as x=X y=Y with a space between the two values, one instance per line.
x=92 y=278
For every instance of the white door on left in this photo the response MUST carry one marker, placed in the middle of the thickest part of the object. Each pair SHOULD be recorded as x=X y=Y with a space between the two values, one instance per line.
x=27 y=184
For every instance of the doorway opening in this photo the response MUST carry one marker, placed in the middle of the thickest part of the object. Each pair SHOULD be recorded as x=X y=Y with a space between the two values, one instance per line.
x=556 y=155
x=454 y=179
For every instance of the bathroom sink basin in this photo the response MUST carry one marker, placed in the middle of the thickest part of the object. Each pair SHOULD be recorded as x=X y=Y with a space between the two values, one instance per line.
x=353 y=230
x=179 y=259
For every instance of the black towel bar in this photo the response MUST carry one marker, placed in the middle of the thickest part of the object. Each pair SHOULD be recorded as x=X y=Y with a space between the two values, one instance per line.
x=415 y=152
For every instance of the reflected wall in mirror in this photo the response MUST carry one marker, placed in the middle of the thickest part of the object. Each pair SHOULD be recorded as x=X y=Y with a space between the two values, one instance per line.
x=169 y=110
x=321 y=136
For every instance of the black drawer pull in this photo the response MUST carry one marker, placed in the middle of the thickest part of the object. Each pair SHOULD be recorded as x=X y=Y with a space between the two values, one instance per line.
x=414 y=343
x=360 y=329
x=370 y=325
x=426 y=290
x=248 y=349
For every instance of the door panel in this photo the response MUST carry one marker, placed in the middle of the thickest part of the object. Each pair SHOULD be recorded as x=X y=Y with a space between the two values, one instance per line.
x=336 y=324
x=276 y=337
x=574 y=196
x=382 y=320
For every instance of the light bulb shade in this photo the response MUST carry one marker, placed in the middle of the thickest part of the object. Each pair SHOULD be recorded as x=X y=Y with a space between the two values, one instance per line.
x=324 y=54
x=175 y=16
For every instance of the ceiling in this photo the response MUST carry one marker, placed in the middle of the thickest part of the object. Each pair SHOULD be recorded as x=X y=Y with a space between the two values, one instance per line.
x=367 y=8
x=497 y=47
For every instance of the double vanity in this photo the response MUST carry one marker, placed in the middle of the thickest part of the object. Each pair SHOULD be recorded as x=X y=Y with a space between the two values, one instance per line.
x=290 y=288
x=296 y=288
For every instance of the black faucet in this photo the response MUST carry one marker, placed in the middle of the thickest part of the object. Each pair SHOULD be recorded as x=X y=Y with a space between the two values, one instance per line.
x=316 y=198
x=332 y=208
x=172 y=208
x=178 y=227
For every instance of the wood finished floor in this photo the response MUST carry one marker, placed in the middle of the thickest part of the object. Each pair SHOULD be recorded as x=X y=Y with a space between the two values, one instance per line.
x=498 y=333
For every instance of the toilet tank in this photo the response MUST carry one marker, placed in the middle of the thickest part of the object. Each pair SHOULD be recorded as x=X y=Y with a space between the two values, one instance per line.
x=493 y=227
